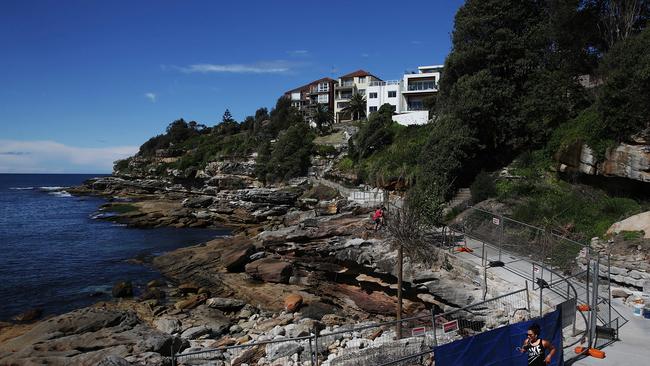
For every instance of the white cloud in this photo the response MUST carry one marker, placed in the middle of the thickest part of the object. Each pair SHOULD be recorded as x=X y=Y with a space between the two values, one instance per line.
x=416 y=42
x=365 y=55
x=298 y=53
x=151 y=97
x=273 y=67
x=55 y=157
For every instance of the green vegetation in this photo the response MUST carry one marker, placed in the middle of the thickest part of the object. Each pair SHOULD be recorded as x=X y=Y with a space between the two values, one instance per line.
x=289 y=157
x=578 y=211
x=483 y=187
x=632 y=235
x=321 y=193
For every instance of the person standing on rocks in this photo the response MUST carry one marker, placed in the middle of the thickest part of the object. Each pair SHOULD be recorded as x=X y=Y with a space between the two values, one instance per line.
x=378 y=218
x=536 y=347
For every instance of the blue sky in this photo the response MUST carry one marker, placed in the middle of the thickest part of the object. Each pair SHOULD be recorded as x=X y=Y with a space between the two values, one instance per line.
x=98 y=78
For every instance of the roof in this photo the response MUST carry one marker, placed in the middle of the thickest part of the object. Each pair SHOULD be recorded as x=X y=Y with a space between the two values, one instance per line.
x=308 y=84
x=358 y=73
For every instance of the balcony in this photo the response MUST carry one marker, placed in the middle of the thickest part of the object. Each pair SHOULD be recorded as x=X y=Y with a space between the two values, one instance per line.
x=382 y=83
x=345 y=85
x=345 y=96
x=421 y=87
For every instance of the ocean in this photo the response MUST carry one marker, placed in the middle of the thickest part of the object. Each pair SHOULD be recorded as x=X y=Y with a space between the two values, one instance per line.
x=56 y=257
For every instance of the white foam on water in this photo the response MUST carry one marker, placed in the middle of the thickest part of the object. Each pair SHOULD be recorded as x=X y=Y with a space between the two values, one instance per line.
x=21 y=188
x=60 y=194
x=51 y=188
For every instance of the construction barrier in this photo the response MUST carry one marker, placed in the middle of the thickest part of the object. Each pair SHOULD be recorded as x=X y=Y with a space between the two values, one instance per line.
x=501 y=346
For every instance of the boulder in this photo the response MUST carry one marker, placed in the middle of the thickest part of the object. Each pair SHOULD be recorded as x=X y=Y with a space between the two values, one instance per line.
x=195 y=332
x=198 y=201
x=223 y=303
x=123 y=289
x=292 y=302
x=152 y=293
x=236 y=257
x=190 y=302
x=278 y=350
x=168 y=325
x=270 y=270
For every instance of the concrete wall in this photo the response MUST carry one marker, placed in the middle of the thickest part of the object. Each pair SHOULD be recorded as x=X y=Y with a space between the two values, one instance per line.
x=412 y=118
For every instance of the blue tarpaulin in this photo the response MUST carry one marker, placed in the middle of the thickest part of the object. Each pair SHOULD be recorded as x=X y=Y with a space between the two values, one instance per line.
x=501 y=346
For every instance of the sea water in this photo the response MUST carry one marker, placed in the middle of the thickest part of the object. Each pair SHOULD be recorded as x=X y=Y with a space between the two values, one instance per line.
x=55 y=255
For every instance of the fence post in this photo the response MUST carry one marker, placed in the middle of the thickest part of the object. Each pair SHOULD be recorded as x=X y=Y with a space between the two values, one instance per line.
x=311 y=350
x=173 y=354
x=503 y=223
x=433 y=326
x=316 y=345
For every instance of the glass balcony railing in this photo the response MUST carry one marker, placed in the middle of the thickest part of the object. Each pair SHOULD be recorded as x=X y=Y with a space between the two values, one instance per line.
x=421 y=86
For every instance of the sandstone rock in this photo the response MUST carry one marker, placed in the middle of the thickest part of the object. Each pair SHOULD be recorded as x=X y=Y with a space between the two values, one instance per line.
x=155 y=283
x=620 y=293
x=195 y=332
x=333 y=319
x=223 y=303
x=191 y=302
x=123 y=289
x=317 y=310
x=292 y=302
x=197 y=201
x=188 y=288
x=28 y=315
x=86 y=337
x=168 y=325
x=270 y=270
x=277 y=350
x=235 y=258
x=152 y=293
x=114 y=361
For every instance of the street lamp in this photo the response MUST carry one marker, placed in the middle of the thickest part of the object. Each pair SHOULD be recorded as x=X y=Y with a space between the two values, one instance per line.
x=542 y=285
x=490 y=264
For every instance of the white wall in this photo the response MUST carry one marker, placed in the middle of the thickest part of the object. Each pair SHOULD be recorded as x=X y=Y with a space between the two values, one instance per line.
x=412 y=118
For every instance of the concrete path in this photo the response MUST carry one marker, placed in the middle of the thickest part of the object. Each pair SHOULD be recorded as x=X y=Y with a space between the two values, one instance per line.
x=634 y=345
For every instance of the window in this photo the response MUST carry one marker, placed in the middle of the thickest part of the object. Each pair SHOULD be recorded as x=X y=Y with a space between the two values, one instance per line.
x=362 y=79
x=392 y=94
x=323 y=98
x=372 y=95
x=341 y=105
x=362 y=91
x=372 y=109
x=323 y=87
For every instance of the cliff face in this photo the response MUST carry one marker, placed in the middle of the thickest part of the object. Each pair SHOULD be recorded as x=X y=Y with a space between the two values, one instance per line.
x=627 y=160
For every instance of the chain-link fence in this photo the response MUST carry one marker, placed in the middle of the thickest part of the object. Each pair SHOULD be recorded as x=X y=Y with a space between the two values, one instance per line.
x=371 y=343
x=509 y=235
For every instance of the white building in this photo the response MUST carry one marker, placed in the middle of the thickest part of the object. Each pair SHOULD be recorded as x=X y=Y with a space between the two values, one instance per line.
x=406 y=95
x=349 y=84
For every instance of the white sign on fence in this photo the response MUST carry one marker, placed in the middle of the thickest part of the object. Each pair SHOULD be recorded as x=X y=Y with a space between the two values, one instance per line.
x=449 y=327
x=418 y=332
x=495 y=220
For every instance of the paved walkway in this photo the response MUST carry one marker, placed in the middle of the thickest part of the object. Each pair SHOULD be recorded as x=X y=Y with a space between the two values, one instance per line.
x=632 y=349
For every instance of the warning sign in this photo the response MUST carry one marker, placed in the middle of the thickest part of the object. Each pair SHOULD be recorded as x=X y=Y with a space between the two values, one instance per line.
x=449 y=327
x=495 y=220
x=417 y=332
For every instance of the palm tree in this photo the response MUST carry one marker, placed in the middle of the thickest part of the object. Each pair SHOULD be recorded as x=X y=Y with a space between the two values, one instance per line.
x=322 y=117
x=356 y=106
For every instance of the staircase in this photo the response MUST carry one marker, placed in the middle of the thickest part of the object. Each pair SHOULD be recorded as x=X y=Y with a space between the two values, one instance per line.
x=462 y=198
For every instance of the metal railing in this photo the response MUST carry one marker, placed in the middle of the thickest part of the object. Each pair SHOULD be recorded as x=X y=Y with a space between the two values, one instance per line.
x=378 y=342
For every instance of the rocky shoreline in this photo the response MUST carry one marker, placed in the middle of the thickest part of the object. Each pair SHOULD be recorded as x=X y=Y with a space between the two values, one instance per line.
x=301 y=259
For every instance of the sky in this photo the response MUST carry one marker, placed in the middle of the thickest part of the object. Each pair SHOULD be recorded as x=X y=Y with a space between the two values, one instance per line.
x=84 y=83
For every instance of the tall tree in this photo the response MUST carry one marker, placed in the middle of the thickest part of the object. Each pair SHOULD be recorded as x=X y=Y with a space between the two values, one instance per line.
x=322 y=117
x=356 y=106
x=227 y=117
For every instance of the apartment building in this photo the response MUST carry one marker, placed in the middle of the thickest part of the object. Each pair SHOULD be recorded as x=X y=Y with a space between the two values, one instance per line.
x=406 y=95
x=348 y=85
x=308 y=96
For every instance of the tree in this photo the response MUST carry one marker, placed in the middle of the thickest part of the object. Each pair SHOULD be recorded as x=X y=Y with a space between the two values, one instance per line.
x=356 y=106
x=623 y=101
x=291 y=154
x=620 y=19
x=412 y=227
x=227 y=117
x=323 y=118
x=373 y=135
